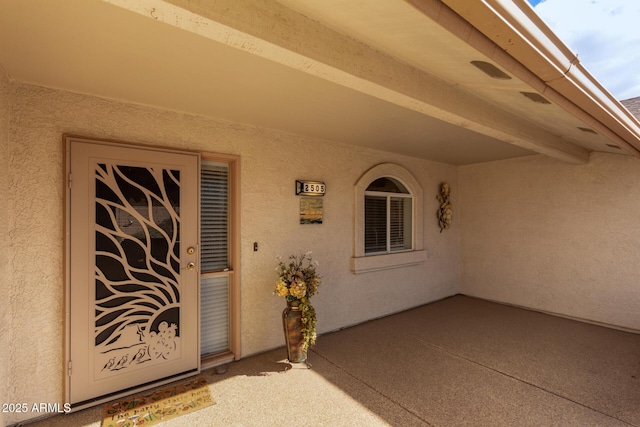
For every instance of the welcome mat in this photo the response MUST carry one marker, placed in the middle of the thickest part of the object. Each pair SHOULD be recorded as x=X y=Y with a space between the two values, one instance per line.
x=158 y=406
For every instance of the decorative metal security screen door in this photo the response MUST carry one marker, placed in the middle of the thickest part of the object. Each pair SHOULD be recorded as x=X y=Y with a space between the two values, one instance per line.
x=133 y=267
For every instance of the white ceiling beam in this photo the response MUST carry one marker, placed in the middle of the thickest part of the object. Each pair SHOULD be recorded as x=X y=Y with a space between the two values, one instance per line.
x=274 y=32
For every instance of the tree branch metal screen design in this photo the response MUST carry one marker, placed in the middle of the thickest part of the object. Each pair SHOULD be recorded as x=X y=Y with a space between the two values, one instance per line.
x=137 y=267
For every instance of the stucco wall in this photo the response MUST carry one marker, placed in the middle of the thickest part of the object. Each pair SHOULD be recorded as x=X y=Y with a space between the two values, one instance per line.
x=555 y=237
x=5 y=273
x=271 y=161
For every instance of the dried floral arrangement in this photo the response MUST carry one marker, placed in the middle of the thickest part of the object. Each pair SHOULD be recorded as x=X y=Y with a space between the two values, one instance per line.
x=298 y=282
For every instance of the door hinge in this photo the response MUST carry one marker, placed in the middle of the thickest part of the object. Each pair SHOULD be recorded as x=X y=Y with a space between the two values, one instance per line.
x=69 y=368
x=69 y=181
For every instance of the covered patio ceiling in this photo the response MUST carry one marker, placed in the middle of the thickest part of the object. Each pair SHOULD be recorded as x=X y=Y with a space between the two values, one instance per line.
x=392 y=75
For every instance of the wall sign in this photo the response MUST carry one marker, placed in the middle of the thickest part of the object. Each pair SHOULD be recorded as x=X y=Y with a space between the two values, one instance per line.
x=310 y=210
x=310 y=188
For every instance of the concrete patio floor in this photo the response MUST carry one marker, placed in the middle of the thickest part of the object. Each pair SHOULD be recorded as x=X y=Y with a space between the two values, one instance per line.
x=460 y=361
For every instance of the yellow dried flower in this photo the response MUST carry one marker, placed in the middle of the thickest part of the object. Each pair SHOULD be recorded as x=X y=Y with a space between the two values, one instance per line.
x=281 y=288
x=298 y=289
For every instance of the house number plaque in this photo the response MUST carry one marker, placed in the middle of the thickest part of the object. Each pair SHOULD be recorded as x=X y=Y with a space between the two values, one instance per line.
x=310 y=188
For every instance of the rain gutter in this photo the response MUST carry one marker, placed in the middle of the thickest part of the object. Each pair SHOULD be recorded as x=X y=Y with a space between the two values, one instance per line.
x=513 y=35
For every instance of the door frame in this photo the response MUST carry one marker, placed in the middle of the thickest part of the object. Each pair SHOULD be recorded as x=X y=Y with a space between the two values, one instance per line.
x=67 y=139
x=234 y=353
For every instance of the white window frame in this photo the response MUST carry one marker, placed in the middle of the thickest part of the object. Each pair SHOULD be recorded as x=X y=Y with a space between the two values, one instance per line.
x=361 y=262
x=388 y=197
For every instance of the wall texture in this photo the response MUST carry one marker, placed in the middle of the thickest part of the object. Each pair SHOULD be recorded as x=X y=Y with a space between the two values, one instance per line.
x=531 y=231
x=271 y=161
x=5 y=271
x=554 y=237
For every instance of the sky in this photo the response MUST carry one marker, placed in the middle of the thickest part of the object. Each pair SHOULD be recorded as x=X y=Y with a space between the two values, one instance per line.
x=605 y=34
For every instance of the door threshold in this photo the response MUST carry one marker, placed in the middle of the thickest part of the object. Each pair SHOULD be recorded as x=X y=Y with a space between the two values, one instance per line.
x=132 y=390
x=213 y=360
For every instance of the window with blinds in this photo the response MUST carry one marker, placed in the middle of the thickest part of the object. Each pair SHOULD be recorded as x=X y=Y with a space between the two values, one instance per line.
x=375 y=220
x=214 y=315
x=400 y=224
x=387 y=217
x=214 y=257
x=214 y=216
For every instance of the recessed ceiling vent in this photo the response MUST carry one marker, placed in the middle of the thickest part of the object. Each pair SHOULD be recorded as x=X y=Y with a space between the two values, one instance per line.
x=614 y=146
x=536 y=97
x=491 y=70
x=587 y=130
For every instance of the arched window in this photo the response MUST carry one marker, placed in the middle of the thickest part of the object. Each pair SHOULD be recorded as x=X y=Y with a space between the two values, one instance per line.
x=388 y=223
x=388 y=217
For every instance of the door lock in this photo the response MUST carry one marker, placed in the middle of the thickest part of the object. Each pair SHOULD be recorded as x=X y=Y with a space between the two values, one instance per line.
x=191 y=250
x=191 y=266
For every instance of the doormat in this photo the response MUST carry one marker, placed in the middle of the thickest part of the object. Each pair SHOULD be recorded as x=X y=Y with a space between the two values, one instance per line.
x=158 y=406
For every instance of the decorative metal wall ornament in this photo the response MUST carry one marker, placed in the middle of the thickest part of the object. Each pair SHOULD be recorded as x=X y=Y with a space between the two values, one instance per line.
x=445 y=212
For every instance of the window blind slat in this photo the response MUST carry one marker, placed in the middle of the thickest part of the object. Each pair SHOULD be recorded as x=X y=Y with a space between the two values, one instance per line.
x=388 y=215
x=214 y=256
x=375 y=220
x=396 y=224
x=400 y=224
x=214 y=216
x=214 y=315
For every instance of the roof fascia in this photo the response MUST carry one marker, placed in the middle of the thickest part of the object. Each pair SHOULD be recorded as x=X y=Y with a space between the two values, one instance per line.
x=554 y=69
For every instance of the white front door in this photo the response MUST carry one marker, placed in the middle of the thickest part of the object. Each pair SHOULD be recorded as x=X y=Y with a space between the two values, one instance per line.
x=133 y=267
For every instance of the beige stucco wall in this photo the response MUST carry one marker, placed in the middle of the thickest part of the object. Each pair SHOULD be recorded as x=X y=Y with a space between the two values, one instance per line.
x=555 y=237
x=5 y=273
x=271 y=161
x=531 y=231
